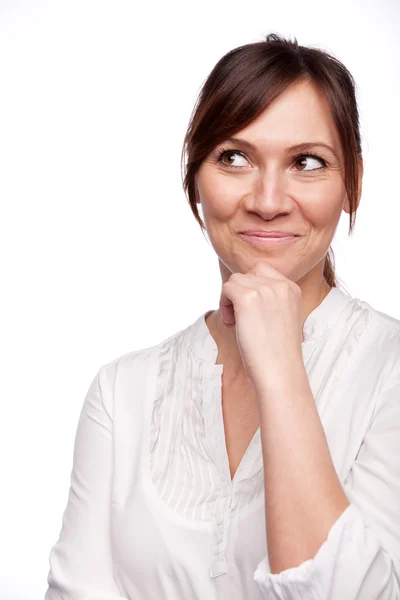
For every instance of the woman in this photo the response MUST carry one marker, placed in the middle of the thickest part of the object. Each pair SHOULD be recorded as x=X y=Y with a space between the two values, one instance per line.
x=256 y=453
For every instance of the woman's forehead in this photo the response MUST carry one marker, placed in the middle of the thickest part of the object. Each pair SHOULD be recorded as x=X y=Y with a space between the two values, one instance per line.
x=301 y=114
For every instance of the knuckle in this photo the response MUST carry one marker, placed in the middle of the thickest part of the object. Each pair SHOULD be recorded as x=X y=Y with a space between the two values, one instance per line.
x=236 y=277
x=250 y=295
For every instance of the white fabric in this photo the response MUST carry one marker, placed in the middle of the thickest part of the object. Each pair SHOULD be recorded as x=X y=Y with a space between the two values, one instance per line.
x=152 y=512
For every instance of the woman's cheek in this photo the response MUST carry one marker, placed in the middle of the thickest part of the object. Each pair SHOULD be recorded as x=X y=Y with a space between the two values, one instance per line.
x=220 y=195
x=323 y=204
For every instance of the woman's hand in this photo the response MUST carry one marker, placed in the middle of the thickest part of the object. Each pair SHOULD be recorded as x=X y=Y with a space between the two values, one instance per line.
x=266 y=309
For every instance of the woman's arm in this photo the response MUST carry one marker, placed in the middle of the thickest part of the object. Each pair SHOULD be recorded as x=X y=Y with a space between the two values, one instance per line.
x=81 y=566
x=303 y=494
x=359 y=559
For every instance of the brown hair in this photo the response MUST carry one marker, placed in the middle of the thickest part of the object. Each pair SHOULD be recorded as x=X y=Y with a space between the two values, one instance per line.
x=242 y=85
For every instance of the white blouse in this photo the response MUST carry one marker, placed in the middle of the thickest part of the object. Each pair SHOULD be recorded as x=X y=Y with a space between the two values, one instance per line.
x=152 y=512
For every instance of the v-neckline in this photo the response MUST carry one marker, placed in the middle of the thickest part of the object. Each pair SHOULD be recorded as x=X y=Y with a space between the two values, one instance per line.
x=251 y=461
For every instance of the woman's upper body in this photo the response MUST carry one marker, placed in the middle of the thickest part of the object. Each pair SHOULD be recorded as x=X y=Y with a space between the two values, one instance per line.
x=162 y=504
x=153 y=511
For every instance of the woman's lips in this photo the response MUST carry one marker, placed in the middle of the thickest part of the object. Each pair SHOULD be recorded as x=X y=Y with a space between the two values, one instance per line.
x=259 y=240
x=269 y=233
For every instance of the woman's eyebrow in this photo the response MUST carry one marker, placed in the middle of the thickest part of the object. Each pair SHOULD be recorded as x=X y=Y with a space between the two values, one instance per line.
x=296 y=148
x=307 y=145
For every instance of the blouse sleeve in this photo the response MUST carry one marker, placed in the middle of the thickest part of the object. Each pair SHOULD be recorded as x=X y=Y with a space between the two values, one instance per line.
x=81 y=566
x=360 y=559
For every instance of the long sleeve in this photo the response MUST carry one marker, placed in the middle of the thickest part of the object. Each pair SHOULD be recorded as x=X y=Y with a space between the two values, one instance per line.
x=360 y=559
x=81 y=562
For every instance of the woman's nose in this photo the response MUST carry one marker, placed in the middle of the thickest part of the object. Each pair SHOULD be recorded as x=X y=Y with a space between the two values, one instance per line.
x=268 y=194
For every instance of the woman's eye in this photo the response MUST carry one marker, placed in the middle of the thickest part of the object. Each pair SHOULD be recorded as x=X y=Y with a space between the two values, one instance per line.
x=304 y=162
x=232 y=158
x=312 y=162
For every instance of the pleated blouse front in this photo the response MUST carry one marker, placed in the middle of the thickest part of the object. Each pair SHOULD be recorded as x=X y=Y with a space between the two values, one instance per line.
x=152 y=509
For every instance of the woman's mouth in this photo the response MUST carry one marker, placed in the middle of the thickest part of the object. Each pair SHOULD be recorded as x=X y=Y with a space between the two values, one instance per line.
x=268 y=241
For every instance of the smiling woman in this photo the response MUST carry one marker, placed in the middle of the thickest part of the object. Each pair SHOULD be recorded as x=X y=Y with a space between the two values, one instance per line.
x=316 y=97
x=254 y=454
x=274 y=184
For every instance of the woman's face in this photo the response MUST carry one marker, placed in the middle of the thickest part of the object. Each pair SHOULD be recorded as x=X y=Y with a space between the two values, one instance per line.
x=262 y=182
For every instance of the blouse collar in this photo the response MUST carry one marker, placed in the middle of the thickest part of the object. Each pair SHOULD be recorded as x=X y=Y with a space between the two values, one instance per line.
x=316 y=324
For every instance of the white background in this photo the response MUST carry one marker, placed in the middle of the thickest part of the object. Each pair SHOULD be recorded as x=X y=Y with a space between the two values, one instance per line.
x=100 y=254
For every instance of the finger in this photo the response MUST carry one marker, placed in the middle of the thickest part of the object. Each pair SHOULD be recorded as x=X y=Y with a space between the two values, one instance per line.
x=263 y=268
x=226 y=307
x=227 y=311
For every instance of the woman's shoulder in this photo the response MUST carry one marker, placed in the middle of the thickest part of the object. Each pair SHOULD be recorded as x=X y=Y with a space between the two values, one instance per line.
x=380 y=318
x=377 y=334
x=140 y=361
x=380 y=324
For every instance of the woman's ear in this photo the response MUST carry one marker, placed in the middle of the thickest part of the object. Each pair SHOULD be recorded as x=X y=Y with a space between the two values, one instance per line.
x=346 y=206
